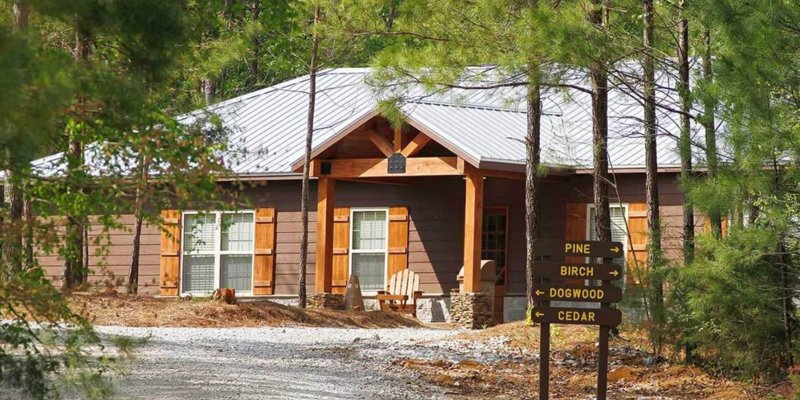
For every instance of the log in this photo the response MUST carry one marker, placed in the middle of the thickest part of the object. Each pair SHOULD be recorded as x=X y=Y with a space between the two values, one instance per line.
x=225 y=295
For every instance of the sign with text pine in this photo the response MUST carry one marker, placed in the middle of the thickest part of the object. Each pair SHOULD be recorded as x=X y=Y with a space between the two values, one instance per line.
x=586 y=248
x=605 y=294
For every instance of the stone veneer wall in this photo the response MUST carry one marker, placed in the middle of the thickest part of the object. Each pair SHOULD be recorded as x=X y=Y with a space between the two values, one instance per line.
x=471 y=310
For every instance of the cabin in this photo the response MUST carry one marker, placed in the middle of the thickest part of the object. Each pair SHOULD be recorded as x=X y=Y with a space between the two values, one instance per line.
x=442 y=191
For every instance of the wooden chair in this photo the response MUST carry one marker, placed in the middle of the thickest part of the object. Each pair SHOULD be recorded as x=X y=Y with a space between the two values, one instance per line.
x=403 y=293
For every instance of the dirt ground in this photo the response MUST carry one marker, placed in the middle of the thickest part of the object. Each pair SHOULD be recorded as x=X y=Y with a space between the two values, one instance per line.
x=148 y=311
x=442 y=365
x=634 y=373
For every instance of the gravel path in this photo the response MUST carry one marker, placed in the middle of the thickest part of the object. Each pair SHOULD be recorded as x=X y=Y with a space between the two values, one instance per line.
x=297 y=363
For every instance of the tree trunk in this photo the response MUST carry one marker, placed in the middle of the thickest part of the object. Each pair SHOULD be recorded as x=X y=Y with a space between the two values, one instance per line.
x=391 y=15
x=252 y=64
x=599 y=77
x=13 y=183
x=532 y=148
x=312 y=101
x=209 y=90
x=651 y=155
x=74 y=273
x=138 y=205
x=709 y=108
x=21 y=12
x=651 y=182
x=685 y=141
x=29 y=227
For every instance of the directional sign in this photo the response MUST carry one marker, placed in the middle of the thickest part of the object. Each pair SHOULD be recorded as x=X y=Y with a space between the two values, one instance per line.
x=586 y=248
x=577 y=316
x=558 y=270
x=599 y=294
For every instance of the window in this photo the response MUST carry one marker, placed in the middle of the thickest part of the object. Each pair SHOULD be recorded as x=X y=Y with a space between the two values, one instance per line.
x=619 y=229
x=217 y=252
x=368 y=247
x=493 y=242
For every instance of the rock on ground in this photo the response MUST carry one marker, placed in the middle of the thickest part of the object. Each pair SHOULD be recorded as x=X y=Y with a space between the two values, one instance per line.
x=298 y=363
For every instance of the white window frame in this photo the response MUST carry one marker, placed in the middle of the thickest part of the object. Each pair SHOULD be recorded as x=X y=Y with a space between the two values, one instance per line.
x=352 y=251
x=589 y=208
x=218 y=252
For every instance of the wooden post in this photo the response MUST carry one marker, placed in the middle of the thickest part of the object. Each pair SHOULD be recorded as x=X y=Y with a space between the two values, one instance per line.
x=602 y=358
x=326 y=189
x=544 y=361
x=398 y=139
x=473 y=221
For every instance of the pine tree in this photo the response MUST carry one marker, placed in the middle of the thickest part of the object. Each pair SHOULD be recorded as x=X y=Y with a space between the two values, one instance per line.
x=599 y=17
x=685 y=140
x=312 y=101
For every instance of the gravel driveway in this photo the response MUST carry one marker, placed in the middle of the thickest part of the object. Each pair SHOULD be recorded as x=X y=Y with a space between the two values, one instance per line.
x=297 y=363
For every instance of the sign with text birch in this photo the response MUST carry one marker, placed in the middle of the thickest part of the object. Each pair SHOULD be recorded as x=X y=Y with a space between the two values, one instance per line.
x=560 y=270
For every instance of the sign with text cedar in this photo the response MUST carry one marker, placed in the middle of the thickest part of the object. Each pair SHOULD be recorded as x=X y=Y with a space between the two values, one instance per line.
x=561 y=270
x=596 y=294
x=576 y=316
x=586 y=248
x=605 y=294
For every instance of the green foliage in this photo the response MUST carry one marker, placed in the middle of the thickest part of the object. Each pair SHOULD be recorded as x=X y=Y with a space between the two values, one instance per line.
x=733 y=309
x=48 y=350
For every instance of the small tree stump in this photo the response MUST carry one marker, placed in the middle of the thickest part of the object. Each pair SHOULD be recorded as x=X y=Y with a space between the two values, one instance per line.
x=225 y=295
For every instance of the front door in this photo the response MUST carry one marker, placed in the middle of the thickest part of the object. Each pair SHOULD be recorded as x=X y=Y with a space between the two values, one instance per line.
x=494 y=246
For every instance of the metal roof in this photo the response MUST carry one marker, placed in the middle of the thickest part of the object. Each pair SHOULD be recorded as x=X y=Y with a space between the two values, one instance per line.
x=267 y=128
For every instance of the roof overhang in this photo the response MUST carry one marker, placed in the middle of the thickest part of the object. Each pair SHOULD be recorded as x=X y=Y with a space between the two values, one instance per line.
x=297 y=165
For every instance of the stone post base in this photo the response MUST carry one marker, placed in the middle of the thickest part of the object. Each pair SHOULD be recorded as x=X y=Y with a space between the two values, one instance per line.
x=471 y=310
x=326 y=300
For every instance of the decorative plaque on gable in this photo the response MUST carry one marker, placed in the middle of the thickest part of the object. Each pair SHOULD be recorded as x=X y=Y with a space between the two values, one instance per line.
x=397 y=164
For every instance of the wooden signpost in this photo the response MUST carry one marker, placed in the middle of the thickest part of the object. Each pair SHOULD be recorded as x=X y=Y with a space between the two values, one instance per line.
x=605 y=294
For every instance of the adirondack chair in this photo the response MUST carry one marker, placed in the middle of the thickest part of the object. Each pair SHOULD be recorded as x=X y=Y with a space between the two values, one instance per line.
x=402 y=294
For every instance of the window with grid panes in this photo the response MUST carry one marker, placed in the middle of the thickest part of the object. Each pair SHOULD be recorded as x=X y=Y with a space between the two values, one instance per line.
x=217 y=251
x=619 y=231
x=368 y=248
x=493 y=240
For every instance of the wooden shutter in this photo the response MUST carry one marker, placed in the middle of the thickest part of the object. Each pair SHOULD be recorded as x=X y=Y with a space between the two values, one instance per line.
x=264 y=252
x=707 y=225
x=397 y=241
x=170 y=252
x=575 y=229
x=637 y=244
x=341 y=249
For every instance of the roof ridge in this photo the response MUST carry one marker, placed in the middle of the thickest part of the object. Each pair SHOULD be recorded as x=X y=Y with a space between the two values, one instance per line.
x=472 y=106
x=281 y=85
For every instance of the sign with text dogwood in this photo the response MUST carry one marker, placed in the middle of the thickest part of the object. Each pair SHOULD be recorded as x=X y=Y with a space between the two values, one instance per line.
x=596 y=294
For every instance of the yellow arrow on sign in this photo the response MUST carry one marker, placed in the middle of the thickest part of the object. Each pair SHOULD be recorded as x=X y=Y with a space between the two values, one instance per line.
x=614 y=273
x=615 y=249
x=539 y=292
x=538 y=314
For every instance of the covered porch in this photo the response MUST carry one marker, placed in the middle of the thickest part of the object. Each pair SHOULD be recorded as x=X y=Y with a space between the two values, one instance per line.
x=441 y=209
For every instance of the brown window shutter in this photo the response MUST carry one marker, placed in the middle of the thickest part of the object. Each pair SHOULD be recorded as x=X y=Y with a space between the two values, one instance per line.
x=637 y=246
x=341 y=249
x=170 y=252
x=264 y=252
x=575 y=229
x=398 y=241
x=707 y=225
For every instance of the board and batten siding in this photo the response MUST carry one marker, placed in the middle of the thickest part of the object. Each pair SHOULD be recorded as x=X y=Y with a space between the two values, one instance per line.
x=435 y=225
x=114 y=266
